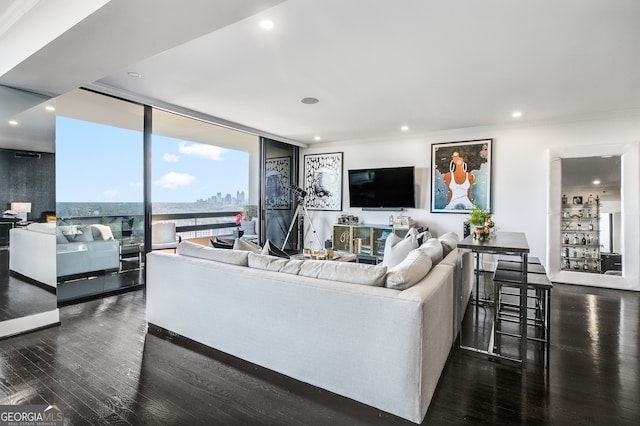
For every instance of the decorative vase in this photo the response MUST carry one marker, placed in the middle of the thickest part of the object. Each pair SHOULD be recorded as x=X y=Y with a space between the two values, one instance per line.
x=481 y=233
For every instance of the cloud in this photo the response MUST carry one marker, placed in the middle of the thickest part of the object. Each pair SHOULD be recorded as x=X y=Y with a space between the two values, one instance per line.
x=173 y=180
x=135 y=184
x=202 y=150
x=111 y=193
x=170 y=158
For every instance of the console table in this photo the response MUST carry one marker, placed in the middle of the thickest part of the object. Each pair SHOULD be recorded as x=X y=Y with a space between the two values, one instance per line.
x=514 y=243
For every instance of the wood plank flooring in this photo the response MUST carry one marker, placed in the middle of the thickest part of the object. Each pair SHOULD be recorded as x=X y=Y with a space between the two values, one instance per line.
x=101 y=367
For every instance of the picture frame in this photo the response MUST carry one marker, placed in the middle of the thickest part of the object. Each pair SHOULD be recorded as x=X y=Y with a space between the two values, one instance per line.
x=461 y=176
x=277 y=183
x=323 y=181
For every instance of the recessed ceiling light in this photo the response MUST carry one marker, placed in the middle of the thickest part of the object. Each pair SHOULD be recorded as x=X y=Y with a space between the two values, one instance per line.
x=134 y=74
x=266 y=24
x=516 y=114
x=49 y=108
x=596 y=182
x=310 y=101
x=404 y=128
x=317 y=138
x=13 y=122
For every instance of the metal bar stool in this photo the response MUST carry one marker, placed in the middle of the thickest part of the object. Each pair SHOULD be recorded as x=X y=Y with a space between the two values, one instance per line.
x=509 y=275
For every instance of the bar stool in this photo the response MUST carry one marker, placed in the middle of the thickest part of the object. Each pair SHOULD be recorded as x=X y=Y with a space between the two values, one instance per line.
x=509 y=275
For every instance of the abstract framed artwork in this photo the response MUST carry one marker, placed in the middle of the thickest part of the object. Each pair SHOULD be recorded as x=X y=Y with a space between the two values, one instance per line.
x=461 y=176
x=278 y=179
x=323 y=181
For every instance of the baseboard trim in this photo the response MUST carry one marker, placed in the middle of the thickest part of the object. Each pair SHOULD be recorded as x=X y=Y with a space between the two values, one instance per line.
x=29 y=323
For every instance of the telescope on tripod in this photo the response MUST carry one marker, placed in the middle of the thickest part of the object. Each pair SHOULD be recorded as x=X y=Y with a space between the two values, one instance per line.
x=301 y=210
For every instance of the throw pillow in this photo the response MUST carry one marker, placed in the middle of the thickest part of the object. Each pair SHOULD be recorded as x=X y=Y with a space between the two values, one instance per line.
x=421 y=234
x=244 y=245
x=354 y=273
x=216 y=243
x=410 y=271
x=396 y=249
x=449 y=242
x=232 y=257
x=433 y=248
x=84 y=235
x=101 y=232
x=276 y=264
x=271 y=249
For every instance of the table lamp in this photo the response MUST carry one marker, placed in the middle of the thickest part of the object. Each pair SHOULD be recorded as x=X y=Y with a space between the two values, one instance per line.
x=21 y=209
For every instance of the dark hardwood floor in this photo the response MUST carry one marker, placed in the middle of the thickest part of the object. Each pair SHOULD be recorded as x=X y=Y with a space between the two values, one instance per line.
x=101 y=367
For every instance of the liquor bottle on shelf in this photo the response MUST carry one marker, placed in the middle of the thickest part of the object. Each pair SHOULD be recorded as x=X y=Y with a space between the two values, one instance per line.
x=594 y=254
x=564 y=198
x=588 y=239
x=595 y=265
x=565 y=252
x=575 y=238
x=575 y=252
x=585 y=266
x=575 y=265
x=590 y=226
x=597 y=199
x=565 y=240
x=584 y=240
x=586 y=254
x=590 y=199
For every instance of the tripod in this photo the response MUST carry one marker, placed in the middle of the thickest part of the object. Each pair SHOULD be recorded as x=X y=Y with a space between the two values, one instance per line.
x=301 y=209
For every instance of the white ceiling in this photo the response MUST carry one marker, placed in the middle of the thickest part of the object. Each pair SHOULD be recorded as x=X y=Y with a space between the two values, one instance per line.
x=374 y=65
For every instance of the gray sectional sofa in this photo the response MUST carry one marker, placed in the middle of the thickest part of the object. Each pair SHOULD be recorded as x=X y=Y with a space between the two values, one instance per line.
x=331 y=324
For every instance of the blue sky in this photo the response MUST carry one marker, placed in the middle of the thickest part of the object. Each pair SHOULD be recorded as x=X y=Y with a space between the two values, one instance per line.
x=99 y=163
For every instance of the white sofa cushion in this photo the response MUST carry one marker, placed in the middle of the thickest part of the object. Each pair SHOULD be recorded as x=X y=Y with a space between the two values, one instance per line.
x=449 y=242
x=396 y=249
x=410 y=271
x=274 y=263
x=233 y=257
x=433 y=247
x=355 y=273
x=45 y=228
x=244 y=245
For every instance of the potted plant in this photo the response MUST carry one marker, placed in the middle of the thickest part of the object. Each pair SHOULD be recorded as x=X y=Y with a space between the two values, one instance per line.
x=481 y=220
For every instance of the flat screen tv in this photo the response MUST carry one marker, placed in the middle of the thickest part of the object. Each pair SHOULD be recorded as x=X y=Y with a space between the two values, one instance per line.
x=385 y=188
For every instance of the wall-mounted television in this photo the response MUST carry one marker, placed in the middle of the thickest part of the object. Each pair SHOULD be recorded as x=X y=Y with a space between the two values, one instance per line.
x=382 y=188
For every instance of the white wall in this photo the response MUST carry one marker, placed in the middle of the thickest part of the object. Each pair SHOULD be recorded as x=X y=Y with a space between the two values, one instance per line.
x=520 y=171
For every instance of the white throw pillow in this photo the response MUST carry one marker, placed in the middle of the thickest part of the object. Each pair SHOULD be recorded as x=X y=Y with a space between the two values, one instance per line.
x=273 y=263
x=45 y=228
x=410 y=271
x=396 y=249
x=433 y=248
x=232 y=257
x=354 y=273
x=244 y=245
x=449 y=242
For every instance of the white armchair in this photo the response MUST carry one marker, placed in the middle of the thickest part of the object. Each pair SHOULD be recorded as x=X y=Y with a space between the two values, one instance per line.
x=163 y=236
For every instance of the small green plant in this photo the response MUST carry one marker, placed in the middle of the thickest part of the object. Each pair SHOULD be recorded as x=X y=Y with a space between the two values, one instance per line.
x=477 y=216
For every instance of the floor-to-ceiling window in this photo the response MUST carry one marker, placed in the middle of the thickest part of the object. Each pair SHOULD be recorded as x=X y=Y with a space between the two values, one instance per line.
x=204 y=178
x=99 y=186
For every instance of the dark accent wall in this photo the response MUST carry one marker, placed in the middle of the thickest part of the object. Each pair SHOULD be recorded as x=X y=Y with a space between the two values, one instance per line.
x=28 y=176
